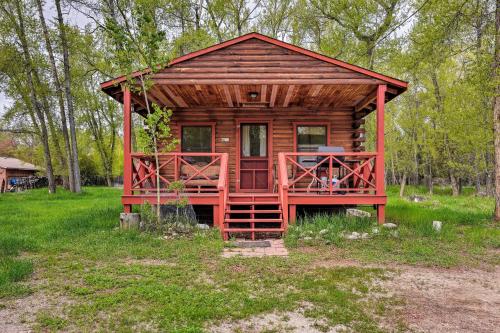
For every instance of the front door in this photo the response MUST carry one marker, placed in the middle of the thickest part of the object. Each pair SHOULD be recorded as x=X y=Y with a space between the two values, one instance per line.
x=254 y=157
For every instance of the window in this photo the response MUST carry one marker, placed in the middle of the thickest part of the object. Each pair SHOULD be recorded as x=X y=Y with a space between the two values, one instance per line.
x=253 y=140
x=309 y=138
x=197 y=139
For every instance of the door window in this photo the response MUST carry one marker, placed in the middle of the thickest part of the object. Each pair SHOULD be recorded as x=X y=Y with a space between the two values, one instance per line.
x=253 y=140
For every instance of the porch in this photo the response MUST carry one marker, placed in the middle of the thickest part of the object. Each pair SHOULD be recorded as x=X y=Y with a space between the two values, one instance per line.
x=296 y=184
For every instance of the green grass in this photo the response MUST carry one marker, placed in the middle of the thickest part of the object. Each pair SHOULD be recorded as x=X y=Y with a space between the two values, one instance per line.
x=106 y=279
x=468 y=236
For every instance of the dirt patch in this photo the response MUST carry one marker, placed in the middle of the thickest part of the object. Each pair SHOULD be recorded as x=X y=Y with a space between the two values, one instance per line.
x=19 y=315
x=149 y=262
x=455 y=300
x=290 y=322
x=438 y=299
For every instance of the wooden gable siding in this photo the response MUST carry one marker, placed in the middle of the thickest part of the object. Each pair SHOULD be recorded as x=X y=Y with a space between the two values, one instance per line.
x=223 y=78
x=283 y=119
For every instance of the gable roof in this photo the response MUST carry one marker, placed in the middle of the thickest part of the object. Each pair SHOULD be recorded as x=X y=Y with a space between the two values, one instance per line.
x=390 y=80
x=14 y=163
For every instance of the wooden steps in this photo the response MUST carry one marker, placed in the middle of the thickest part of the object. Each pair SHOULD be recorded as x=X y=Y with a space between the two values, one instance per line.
x=250 y=203
x=253 y=220
x=250 y=214
x=263 y=211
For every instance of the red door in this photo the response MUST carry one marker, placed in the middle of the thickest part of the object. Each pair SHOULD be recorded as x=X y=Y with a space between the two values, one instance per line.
x=254 y=157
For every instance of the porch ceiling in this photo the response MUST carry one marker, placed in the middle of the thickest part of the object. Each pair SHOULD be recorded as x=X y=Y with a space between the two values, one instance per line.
x=264 y=95
x=360 y=98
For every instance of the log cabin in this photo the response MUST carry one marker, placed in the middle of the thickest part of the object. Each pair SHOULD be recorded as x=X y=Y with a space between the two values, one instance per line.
x=265 y=130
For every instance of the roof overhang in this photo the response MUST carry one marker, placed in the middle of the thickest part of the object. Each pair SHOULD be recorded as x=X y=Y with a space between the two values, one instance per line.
x=363 y=104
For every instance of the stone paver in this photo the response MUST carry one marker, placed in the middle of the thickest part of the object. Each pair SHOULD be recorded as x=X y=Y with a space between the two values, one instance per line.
x=277 y=248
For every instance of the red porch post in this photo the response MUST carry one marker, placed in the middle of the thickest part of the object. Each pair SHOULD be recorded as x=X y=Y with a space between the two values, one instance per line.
x=127 y=147
x=379 y=164
x=293 y=214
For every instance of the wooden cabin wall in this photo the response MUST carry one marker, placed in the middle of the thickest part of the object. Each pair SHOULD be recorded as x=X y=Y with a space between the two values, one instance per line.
x=340 y=121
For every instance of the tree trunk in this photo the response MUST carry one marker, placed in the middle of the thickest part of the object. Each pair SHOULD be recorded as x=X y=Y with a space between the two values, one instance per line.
x=54 y=135
x=393 y=170
x=60 y=98
x=455 y=186
x=35 y=103
x=69 y=97
x=488 y=184
x=402 y=186
x=52 y=129
x=478 y=183
x=496 y=112
x=95 y=122
x=156 y=156
x=429 y=182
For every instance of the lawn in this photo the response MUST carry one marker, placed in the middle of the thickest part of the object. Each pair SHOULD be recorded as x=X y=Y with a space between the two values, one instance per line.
x=65 y=254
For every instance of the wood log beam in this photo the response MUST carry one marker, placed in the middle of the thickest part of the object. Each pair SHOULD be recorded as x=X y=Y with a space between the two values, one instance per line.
x=138 y=100
x=243 y=81
x=357 y=123
x=159 y=94
x=176 y=98
x=237 y=94
x=263 y=93
x=315 y=90
x=229 y=99
x=274 y=93
x=357 y=133
x=289 y=95
x=370 y=98
x=249 y=75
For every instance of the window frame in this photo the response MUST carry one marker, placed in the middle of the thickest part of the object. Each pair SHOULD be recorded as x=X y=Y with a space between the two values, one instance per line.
x=267 y=141
x=310 y=124
x=210 y=124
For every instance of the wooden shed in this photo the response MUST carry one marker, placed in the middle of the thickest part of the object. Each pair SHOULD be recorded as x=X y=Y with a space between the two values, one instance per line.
x=264 y=127
x=12 y=171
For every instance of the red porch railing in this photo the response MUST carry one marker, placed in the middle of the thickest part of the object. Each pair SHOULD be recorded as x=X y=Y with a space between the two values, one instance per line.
x=198 y=172
x=327 y=173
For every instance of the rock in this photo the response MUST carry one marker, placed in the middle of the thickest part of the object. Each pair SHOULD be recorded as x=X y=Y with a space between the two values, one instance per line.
x=389 y=225
x=375 y=230
x=437 y=225
x=365 y=235
x=130 y=220
x=308 y=238
x=202 y=226
x=357 y=213
x=416 y=198
x=323 y=232
x=353 y=236
x=394 y=233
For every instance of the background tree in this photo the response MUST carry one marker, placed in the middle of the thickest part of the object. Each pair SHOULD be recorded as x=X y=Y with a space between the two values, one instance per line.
x=441 y=131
